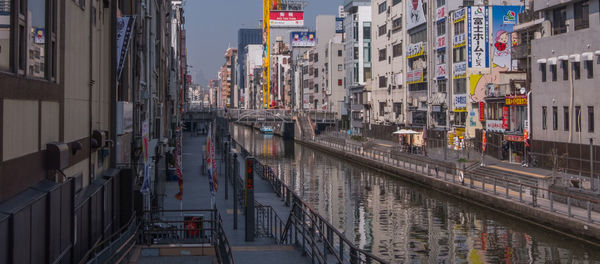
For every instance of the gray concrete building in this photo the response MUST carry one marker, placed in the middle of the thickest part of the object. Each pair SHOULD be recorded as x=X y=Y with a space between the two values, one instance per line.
x=565 y=71
x=357 y=45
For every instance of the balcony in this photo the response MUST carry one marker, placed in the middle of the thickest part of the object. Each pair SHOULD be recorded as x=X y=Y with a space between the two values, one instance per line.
x=521 y=51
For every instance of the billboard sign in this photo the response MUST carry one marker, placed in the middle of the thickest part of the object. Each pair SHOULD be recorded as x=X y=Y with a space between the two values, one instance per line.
x=441 y=42
x=280 y=18
x=440 y=13
x=504 y=18
x=494 y=126
x=416 y=14
x=440 y=71
x=460 y=69
x=339 y=25
x=303 y=39
x=478 y=37
x=460 y=103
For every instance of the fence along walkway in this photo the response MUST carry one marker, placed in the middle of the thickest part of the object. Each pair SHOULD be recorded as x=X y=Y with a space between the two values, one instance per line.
x=306 y=228
x=529 y=194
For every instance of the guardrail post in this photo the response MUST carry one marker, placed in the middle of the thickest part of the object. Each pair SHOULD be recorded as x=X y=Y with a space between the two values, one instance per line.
x=287 y=198
x=520 y=192
x=353 y=257
x=341 y=249
x=569 y=206
x=483 y=182
x=494 y=185
x=589 y=211
x=551 y=202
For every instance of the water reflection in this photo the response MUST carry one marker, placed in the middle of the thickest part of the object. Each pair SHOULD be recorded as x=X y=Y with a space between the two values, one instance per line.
x=403 y=222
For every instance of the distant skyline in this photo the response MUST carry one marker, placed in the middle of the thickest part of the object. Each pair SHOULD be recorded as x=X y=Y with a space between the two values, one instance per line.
x=212 y=25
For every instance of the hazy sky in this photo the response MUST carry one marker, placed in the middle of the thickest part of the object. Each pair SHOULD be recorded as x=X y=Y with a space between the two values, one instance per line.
x=212 y=26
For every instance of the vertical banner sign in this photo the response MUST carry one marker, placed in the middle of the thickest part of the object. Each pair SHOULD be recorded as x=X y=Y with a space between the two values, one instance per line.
x=505 y=118
x=209 y=160
x=178 y=163
x=124 y=29
x=526 y=137
x=478 y=37
x=146 y=183
x=481 y=111
x=215 y=179
x=483 y=140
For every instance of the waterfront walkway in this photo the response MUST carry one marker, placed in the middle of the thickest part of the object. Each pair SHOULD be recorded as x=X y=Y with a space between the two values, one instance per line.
x=196 y=196
x=532 y=202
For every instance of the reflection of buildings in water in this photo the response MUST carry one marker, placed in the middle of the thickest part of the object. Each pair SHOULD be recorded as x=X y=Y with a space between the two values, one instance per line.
x=404 y=223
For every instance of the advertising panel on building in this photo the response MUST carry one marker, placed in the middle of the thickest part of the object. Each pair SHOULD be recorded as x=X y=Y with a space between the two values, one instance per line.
x=339 y=25
x=303 y=39
x=286 y=18
x=478 y=37
x=460 y=103
x=416 y=14
x=504 y=18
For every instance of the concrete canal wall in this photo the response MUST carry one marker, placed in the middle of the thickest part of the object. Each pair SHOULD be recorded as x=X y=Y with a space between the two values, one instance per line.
x=576 y=228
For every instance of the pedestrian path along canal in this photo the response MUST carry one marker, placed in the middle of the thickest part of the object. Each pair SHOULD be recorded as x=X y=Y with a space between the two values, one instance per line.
x=403 y=222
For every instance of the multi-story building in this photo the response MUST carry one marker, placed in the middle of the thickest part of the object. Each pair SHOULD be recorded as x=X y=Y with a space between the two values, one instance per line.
x=227 y=89
x=246 y=36
x=280 y=82
x=388 y=90
x=357 y=45
x=564 y=64
x=253 y=62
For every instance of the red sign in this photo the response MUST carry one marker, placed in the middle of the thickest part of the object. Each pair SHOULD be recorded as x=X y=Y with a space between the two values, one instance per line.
x=514 y=138
x=483 y=141
x=505 y=118
x=526 y=137
x=286 y=18
x=441 y=41
x=481 y=111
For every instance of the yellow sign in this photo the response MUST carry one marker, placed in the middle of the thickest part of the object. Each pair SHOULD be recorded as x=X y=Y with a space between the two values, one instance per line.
x=516 y=100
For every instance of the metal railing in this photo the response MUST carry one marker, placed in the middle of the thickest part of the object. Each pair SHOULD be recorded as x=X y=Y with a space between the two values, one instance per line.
x=575 y=206
x=306 y=228
x=114 y=246
x=186 y=227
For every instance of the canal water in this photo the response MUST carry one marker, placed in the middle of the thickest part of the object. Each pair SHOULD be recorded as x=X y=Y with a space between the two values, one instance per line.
x=402 y=222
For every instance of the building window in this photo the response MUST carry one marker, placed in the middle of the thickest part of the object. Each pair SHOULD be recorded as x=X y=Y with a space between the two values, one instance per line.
x=5 y=35
x=559 y=20
x=339 y=53
x=589 y=65
x=367 y=73
x=441 y=3
x=397 y=109
x=441 y=28
x=397 y=50
x=397 y=24
x=420 y=36
x=577 y=70
x=382 y=54
x=382 y=82
x=356 y=53
x=459 y=54
x=316 y=88
x=382 y=30
x=555 y=118
x=382 y=108
x=382 y=7
x=355 y=31
x=340 y=67
x=34 y=45
x=577 y=118
x=316 y=72
x=591 y=119
x=564 y=64
x=460 y=86
x=543 y=70
x=366 y=31
x=441 y=86
x=395 y=2
x=582 y=15
x=316 y=57
x=566 y=117
x=544 y=126
x=367 y=53
x=441 y=57
x=459 y=27
x=553 y=72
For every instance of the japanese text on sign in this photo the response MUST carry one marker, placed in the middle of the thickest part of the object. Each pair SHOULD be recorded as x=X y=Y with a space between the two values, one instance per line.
x=478 y=23
x=516 y=100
